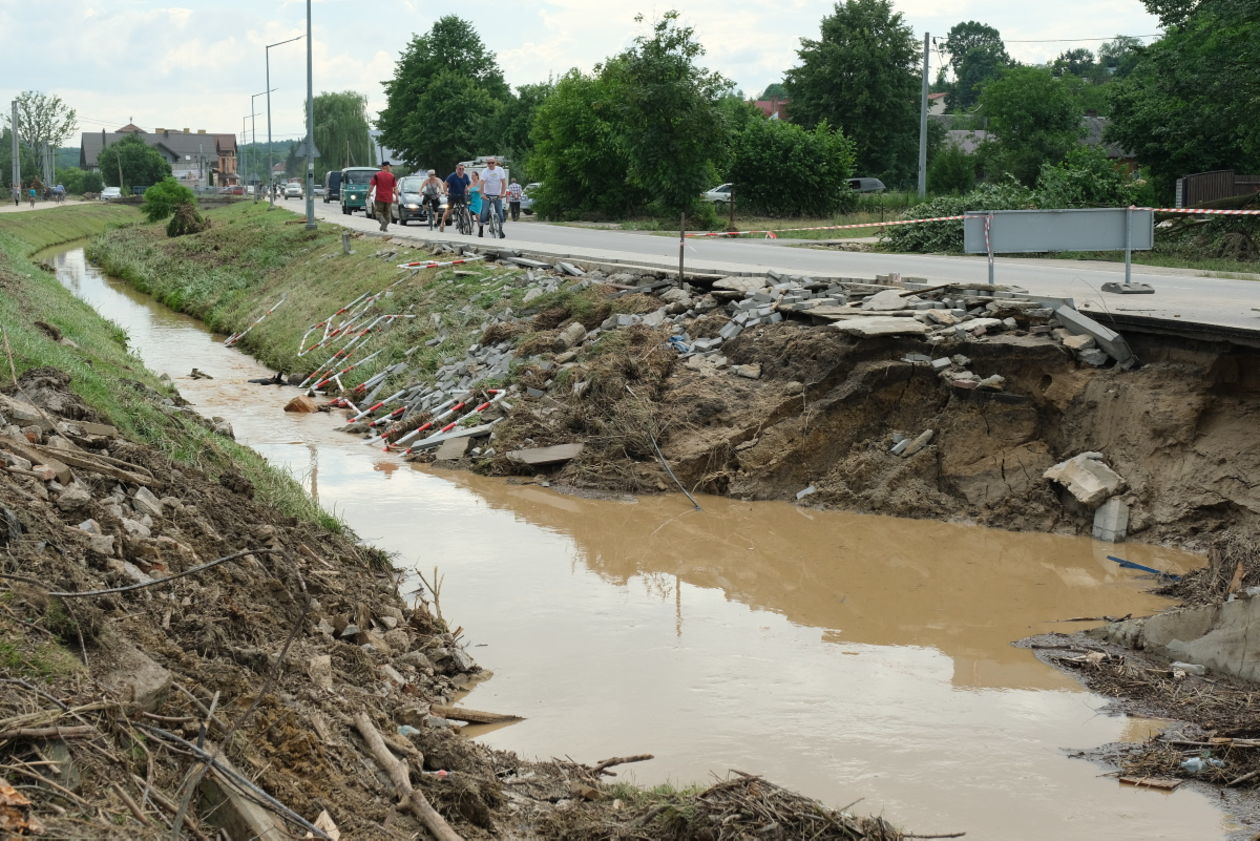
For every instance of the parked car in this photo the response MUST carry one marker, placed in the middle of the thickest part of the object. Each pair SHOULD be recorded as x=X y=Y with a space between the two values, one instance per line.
x=866 y=185
x=293 y=190
x=527 y=201
x=332 y=185
x=720 y=195
x=111 y=193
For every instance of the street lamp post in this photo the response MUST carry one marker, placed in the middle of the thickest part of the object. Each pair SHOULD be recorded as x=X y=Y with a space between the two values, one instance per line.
x=253 y=133
x=243 y=168
x=310 y=129
x=270 y=162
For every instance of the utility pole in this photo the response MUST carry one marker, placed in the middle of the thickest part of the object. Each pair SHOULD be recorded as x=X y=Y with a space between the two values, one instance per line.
x=310 y=128
x=17 y=151
x=271 y=164
x=923 y=110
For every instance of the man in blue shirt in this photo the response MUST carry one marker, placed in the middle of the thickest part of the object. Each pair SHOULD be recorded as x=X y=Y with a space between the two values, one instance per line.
x=456 y=193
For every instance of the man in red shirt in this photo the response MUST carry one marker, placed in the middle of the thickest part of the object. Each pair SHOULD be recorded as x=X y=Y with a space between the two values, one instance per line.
x=384 y=187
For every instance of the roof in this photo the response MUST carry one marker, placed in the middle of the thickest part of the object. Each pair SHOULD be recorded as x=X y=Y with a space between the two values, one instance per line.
x=774 y=108
x=174 y=145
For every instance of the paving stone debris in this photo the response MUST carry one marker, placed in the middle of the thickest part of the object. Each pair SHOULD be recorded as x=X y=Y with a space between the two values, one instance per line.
x=1087 y=477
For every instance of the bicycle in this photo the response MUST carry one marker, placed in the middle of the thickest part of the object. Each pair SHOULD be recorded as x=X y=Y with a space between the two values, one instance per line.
x=463 y=219
x=433 y=210
x=495 y=222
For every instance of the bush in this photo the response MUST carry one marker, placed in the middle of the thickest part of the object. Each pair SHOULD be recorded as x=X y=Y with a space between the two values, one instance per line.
x=162 y=198
x=92 y=182
x=1086 y=178
x=185 y=220
x=936 y=237
x=952 y=171
x=782 y=169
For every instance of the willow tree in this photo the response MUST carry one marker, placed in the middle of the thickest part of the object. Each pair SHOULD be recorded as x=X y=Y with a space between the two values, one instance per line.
x=341 y=131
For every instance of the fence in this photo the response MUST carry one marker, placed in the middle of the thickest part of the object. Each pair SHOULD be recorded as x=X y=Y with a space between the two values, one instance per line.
x=1203 y=187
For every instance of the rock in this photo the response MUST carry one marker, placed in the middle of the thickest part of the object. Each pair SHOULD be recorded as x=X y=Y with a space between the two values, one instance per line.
x=319 y=669
x=74 y=499
x=397 y=639
x=1087 y=478
x=570 y=336
x=128 y=672
x=675 y=296
x=881 y=326
x=136 y=528
x=101 y=544
x=303 y=404
x=417 y=660
x=886 y=301
x=1111 y=521
x=752 y=372
x=452 y=449
x=941 y=364
x=995 y=382
x=1093 y=356
x=918 y=443
x=1109 y=340
x=145 y=502
x=945 y=318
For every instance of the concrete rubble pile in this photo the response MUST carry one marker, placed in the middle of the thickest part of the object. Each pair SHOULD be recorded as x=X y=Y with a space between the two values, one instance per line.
x=946 y=318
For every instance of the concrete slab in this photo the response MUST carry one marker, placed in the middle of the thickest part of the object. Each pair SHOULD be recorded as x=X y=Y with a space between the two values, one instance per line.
x=881 y=326
x=541 y=456
x=1109 y=340
x=452 y=449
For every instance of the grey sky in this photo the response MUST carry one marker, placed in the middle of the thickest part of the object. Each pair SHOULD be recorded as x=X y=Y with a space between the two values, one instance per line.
x=195 y=65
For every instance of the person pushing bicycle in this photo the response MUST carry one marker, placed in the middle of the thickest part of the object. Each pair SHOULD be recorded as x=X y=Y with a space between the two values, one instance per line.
x=456 y=193
x=493 y=186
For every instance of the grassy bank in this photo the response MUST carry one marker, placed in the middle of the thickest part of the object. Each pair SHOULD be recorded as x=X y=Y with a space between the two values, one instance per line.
x=44 y=325
x=252 y=258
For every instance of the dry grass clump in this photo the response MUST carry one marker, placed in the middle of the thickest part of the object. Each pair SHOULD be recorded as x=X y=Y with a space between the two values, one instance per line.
x=1233 y=565
x=739 y=808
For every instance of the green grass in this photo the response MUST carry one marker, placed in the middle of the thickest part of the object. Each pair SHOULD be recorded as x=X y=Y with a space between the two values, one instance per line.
x=100 y=367
x=42 y=661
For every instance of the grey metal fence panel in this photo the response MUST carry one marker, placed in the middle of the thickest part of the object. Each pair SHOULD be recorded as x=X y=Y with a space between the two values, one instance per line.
x=1038 y=231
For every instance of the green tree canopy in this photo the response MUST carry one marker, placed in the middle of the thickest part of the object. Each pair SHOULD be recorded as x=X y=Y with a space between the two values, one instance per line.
x=1035 y=117
x=1118 y=55
x=341 y=131
x=44 y=120
x=578 y=153
x=862 y=76
x=774 y=90
x=770 y=158
x=1076 y=62
x=138 y=163
x=162 y=198
x=515 y=121
x=446 y=74
x=977 y=55
x=1189 y=102
x=668 y=114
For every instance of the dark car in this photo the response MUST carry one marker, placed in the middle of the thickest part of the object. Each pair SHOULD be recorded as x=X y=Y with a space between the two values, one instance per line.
x=866 y=185
x=332 y=185
x=409 y=205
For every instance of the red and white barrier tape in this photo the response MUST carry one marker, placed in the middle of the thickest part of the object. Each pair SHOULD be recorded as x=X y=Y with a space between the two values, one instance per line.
x=435 y=265
x=1199 y=211
x=236 y=337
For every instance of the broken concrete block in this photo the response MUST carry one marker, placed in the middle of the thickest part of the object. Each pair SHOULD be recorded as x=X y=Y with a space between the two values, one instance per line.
x=1080 y=342
x=1111 y=521
x=1093 y=356
x=129 y=673
x=452 y=449
x=539 y=456
x=742 y=285
x=804 y=492
x=881 y=326
x=73 y=499
x=995 y=382
x=1087 y=478
x=319 y=669
x=1109 y=340
x=941 y=364
x=887 y=300
x=918 y=443
x=145 y=502
x=752 y=372
x=570 y=336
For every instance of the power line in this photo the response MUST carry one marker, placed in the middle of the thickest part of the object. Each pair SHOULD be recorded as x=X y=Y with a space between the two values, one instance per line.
x=1074 y=40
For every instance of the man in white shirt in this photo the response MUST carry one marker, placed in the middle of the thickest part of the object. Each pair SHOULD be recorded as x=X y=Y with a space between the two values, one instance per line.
x=493 y=186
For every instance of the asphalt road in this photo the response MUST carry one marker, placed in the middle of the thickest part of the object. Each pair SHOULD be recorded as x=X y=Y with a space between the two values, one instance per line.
x=1184 y=294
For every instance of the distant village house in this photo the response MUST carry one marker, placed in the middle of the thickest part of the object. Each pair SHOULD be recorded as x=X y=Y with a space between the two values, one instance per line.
x=197 y=159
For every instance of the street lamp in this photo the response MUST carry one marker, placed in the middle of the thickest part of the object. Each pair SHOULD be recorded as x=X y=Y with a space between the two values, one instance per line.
x=270 y=162
x=310 y=129
x=253 y=133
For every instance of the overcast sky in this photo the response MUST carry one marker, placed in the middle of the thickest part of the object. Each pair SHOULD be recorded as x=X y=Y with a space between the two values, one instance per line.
x=196 y=65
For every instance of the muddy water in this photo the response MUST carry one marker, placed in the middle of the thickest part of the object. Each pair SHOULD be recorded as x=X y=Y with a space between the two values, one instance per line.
x=849 y=657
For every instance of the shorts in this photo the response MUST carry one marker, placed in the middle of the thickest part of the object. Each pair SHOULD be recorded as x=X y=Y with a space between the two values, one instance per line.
x=453 y=200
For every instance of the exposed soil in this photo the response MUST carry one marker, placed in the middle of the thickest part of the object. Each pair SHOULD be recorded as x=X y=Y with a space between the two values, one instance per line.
x=228 y=626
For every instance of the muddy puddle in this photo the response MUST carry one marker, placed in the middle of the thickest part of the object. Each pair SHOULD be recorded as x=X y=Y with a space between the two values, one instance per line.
x=849 y=657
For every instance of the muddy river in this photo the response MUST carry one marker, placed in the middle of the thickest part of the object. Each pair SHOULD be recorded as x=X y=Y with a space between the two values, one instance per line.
x=849 y=657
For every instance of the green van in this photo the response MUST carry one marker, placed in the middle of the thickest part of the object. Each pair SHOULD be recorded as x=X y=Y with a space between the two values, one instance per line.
x=354 y=187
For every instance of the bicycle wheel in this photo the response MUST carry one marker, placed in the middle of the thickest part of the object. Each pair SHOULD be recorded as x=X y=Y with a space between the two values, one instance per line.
x=496 y=225
x=465 y=221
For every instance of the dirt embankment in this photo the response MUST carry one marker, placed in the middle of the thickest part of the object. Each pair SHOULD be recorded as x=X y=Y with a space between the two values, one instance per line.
x=172 y=647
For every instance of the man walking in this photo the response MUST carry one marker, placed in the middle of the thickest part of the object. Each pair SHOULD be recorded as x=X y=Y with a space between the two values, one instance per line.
x=493 y=184
x=456 y=193
x=385 y=189
x=514 y=193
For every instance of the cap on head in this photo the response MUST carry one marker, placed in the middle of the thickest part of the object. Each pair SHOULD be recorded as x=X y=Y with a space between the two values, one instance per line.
x=386 y=163
x=432 y=172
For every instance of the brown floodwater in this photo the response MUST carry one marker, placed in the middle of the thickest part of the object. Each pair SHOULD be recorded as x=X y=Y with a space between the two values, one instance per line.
x=849 y=657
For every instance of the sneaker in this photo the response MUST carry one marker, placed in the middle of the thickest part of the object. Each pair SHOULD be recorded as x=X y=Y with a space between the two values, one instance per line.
x=502 y=235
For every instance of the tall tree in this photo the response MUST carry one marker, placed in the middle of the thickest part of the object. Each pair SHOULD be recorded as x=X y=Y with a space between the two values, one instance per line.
x=44 y=120
x=1118 y=55
x=1189 y=103
x=977 y=55
x=1077 y=62
x=445 y=74
x=138 y=163
x=516 y=121
x=862 y=76
x=668 y=108
x=774 y=90
x=341 y=131
x=1036 y=119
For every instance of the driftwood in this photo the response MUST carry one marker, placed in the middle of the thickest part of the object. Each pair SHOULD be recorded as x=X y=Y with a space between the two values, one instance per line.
x=602 y=766
x=104 y=465
x=471 y=716
x=77 y=732
x=400 y=776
